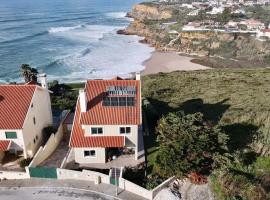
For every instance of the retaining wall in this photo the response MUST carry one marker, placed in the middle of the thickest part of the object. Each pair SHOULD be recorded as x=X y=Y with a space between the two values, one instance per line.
x=14 y=175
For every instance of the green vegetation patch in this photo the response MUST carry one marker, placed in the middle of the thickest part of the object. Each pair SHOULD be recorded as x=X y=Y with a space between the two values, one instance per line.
x=234 y=100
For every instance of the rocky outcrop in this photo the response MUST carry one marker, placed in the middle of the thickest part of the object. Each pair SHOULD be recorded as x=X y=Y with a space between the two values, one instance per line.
x=145 y=12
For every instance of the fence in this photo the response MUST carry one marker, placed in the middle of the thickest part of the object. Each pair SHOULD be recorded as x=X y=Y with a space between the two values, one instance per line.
x=44 y=152
x=42 y=172
x=86 y=175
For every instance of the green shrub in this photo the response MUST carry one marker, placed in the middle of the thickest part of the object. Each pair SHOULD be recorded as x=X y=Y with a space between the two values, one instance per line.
x=25 y=162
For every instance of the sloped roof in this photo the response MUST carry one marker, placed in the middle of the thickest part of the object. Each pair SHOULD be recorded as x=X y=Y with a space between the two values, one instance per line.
x=14 y=103
x=4 y=145
x=78 y=140
x=97 y=114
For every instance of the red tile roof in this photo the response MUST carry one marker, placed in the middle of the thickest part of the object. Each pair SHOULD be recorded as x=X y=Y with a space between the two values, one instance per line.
x=266 y=30
x=4 y=145
x=14 y=103
x=79 y=140
x=97 y=114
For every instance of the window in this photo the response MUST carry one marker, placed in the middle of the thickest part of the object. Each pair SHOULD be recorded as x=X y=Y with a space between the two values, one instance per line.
x=91 y=153
x=34 y=141
x=96 y=130
x=125 y=130
x=36 y=137
x=32 y=105
x=34 y=120
x=11 y=135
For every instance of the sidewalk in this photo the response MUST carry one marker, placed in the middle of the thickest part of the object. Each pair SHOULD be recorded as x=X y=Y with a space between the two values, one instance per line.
x=85 y=185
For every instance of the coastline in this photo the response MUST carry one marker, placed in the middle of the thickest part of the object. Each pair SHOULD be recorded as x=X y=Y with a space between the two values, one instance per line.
x=170 y=61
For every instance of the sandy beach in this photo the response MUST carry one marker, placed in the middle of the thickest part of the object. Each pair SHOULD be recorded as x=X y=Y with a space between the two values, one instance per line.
x=169 y=62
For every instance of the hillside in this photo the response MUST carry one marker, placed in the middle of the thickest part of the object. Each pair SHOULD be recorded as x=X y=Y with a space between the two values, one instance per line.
x=161 y=26
x=236 y=100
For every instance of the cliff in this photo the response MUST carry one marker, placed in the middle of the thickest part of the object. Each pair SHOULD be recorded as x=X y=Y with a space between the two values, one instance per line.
x=142 y=12
x=149 y=22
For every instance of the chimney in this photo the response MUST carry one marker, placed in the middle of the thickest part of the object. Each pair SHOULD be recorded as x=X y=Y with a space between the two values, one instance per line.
x=138 y=76
x=83 y=103
x=43 y=80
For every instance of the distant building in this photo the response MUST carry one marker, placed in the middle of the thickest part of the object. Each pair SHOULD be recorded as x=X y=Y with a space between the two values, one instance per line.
x=263 y=33
x=193 y=13
x=24 y=111
x=107 y=120
x=185 y=5
x=216 y=10
x=191 y=26
x=253 y=24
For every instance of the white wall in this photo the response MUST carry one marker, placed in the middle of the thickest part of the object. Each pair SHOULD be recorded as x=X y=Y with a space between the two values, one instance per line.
x=17 y=144
x=41 y=110
x=99 y=158
x=13 y=175
x=114 y=130
x=44 y=152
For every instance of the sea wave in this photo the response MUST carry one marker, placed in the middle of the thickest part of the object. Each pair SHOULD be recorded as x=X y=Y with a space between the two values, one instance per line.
x=116 y=14
x=15 y=40
x=63 y=28
x=84 y=33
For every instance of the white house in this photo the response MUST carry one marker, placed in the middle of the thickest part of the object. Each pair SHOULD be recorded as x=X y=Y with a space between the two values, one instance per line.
x=263 y=33
x=107 y=120
x=24 y=111
x=216 y=10
x=253 y=24
x=193 y=13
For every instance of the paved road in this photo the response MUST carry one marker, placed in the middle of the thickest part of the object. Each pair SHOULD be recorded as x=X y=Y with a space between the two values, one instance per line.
x=52 y=189
x=50 y=194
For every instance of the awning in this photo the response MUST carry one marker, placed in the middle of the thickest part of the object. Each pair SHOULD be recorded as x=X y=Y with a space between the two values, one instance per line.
x=4 y=145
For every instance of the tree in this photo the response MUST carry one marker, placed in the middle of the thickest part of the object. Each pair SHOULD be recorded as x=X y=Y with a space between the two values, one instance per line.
x=187 y=144
x=29 y=74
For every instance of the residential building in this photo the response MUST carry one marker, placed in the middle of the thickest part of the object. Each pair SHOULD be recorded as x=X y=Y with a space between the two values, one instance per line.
x=263 y=33
x=107 y=120
x=192 y=26
x=253 y=24
x=24 y=111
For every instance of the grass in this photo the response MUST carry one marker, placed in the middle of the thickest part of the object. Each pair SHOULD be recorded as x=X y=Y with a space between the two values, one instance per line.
x=237 y=100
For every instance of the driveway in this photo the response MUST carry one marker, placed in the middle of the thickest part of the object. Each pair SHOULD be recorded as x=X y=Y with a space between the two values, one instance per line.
x=53 y=189
x=51 y=194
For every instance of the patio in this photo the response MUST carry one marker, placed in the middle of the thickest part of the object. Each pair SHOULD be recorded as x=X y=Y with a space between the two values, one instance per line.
x=121 y=161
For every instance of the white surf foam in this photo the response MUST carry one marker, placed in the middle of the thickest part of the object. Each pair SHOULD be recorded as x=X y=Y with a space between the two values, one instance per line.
x=116 y=14
x=85 y=33
x=115 y=55
x=63 y=28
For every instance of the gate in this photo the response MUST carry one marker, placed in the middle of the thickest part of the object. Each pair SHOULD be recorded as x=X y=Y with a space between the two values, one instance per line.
x=114 y=181
x=42 y=172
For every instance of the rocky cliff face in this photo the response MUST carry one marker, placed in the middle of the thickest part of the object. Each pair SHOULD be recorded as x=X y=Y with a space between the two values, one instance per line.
x=145 y=12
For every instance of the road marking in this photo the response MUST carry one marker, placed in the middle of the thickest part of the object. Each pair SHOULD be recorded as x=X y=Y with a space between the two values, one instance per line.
x=65 y=188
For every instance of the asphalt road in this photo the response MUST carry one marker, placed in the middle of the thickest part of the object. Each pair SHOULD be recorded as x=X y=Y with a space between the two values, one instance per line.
x=51 y=194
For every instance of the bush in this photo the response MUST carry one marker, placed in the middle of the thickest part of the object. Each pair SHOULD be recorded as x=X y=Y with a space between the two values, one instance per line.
x=25 y=162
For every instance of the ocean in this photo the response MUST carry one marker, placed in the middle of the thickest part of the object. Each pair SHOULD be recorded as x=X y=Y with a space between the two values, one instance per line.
x=70 y=40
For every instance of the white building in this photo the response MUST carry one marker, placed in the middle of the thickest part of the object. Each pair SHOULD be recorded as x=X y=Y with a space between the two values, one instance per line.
x=253 y=24
x=193 y=13
x=216 y=10
x=107 y=120
x=263 y=33
x=24 y=111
